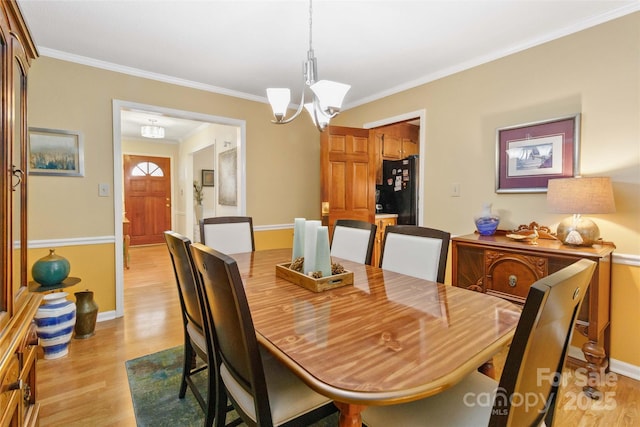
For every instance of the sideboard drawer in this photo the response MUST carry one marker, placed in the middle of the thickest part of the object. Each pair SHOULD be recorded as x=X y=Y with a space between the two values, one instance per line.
x=509 y=275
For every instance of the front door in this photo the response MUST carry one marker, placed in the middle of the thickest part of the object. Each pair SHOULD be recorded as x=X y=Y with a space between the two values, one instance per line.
x=347 y=175
x=147 y=198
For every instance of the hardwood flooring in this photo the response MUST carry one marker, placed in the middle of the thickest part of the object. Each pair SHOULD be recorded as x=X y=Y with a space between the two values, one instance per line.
x=89 y=387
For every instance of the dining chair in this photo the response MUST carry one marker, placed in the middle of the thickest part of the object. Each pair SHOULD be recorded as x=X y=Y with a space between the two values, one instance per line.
x=228 y=234
x=353 y=240
x=415 y=251
x=531 y=378
x=195 y=344
x=263 y=391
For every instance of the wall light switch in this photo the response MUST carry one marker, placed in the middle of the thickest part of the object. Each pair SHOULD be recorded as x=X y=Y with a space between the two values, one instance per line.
x=455 y=190
x=103 y=190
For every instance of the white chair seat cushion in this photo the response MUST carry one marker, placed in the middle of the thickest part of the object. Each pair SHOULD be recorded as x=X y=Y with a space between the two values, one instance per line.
x=350 y=243
x=228 y=238
x=412 y=255
x=197 y=338
x=467 y=404
x=289 y=397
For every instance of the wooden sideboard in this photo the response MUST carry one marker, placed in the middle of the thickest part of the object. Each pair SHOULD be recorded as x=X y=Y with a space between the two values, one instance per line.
x=506 y=268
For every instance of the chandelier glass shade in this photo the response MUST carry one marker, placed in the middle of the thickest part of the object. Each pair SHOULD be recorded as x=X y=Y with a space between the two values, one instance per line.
x=152 y=131
x=325 y=96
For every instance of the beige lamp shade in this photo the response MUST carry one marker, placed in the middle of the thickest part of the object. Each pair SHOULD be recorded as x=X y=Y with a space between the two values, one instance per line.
x=592 y=195
x=579 y=196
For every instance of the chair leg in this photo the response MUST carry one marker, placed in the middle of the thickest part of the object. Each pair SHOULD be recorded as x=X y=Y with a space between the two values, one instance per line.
x=221 y=405
x=212 y=392
x=188 y=364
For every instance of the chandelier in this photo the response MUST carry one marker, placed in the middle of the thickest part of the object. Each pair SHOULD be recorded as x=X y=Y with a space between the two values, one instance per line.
x=326 y=96
x=152 y=131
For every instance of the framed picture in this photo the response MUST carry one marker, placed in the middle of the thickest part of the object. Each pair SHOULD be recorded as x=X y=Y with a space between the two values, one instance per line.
x=55 y=152
x=528 y=155
x=208 y=178
x=228 y=173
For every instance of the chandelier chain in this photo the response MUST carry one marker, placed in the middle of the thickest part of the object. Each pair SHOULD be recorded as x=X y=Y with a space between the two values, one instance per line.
x=310 y=24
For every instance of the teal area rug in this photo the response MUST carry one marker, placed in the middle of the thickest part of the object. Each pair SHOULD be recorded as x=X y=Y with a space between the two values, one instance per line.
x=154 y=381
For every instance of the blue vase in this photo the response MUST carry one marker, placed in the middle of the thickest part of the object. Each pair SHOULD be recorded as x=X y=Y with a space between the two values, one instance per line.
x=487 y=222
x=55 y=321
x=51 y=269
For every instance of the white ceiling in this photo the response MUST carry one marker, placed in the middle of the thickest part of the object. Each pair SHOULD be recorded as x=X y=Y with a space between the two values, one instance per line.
x=241 y=47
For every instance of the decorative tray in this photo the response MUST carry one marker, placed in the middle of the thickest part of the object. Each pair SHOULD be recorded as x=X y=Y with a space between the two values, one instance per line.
x=316 y=285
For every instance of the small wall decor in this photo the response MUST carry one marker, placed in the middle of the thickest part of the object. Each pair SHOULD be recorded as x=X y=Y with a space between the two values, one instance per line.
x=55 y=152
x=228 y=176
x=208 y=178
x=528 y=155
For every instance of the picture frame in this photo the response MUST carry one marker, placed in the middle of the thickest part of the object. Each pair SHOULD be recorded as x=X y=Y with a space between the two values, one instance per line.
x=55 y=152
x=228 y=176
x=208 y=178
x=530 y=154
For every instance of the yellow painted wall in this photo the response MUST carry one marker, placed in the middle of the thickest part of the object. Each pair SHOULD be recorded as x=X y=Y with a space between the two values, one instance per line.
x=93 y=264
x=595 y=72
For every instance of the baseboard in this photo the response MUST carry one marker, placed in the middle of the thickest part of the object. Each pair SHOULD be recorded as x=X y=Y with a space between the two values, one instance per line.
x=106 y=315
x=624 y=368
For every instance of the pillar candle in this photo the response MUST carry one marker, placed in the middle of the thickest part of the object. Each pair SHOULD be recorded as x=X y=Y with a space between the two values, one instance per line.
x=298 y=238
x=323 y=257
x=310 y=236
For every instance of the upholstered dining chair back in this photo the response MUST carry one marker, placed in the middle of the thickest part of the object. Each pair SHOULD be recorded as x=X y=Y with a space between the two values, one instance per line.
x=415 y=251
x=539 y=348
x=528 y=389
x=195 y=343
x=228 y=234
x=353 y=240
x=263 y=391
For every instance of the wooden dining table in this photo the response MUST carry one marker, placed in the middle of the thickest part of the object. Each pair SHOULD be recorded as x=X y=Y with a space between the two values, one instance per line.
x=388 y=338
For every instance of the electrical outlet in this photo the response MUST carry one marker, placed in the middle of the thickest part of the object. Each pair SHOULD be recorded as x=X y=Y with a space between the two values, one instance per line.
x=103 y=190
x=455 y=190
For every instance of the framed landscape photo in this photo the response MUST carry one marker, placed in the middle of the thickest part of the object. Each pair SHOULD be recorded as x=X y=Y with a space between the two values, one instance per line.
x=55 y=152
x=528 y=155
x=208 y=178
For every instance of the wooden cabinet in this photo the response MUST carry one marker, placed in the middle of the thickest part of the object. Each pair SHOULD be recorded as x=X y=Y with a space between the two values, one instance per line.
x=382 y=221
x=500 y=266
x=395 y=142
x=18 y=343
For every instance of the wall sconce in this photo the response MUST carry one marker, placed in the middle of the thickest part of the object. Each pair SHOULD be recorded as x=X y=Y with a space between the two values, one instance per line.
x=579 y=196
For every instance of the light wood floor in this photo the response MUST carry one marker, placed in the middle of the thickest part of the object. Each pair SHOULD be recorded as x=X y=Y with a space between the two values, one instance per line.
x=89 y=386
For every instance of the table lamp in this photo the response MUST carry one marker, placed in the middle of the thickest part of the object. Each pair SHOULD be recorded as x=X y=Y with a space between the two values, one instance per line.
x=578 y=196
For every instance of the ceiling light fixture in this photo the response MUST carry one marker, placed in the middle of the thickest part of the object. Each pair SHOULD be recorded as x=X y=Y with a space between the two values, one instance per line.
x=327 y=96
x=152 y=131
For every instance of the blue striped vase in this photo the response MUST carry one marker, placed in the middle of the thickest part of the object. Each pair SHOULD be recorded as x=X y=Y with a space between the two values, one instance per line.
x=55 y=320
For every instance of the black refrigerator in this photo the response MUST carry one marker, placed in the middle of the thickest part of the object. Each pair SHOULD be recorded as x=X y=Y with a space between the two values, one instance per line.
x=399 y=189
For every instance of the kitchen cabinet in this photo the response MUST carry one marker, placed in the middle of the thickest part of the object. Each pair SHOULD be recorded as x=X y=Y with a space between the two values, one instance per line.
x=395 y=142
x=505 y=268
x=18 y=342
x=382 y=222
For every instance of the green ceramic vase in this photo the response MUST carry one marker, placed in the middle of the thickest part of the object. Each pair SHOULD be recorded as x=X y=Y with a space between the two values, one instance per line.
x=51 y=269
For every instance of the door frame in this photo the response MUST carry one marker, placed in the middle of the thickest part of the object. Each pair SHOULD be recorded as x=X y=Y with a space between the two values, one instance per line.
x=118 y=195
x=422 y=116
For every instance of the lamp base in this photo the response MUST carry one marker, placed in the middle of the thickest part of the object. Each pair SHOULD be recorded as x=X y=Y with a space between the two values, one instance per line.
x=578 y=231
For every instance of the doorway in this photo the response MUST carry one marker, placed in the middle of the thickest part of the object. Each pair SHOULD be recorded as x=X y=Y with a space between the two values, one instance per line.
x=181 y=200
x=147 y=197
